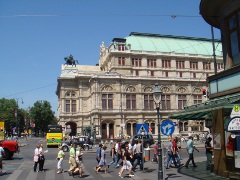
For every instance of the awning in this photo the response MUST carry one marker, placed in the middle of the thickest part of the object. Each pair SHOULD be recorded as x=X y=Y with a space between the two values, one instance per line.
x=204 y=110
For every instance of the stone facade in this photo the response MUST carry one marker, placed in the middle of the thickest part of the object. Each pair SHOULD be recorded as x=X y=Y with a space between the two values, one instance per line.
x=114 y=96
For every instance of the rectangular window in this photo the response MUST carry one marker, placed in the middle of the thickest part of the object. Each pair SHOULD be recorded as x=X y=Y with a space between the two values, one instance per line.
x=194 y=75
x=166 y=103
x=74 y=106
x=151 y=62
x=181 y=101
x=193 y=65
x=131 y=101
x=121 y=61
x=121 y=47
x=234 y=37
x=148 y=102
x=137 y=72
x=166 y=74
x=71 y=106
x=152 y=73
x=180 y=64
x=180 y=74
x=107 y=101
x=67 y=105
x=206 y=65
x=197 y=99
x=166 y=63
x=136 y=62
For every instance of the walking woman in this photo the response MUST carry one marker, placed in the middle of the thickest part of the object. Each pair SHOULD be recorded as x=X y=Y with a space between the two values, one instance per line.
x=36 y=158
x=113 y=155
x=103 y=161
x=59 y=158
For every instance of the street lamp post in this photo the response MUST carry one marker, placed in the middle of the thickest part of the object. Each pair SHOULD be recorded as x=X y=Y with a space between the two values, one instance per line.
x=16 y=114
x=157 y=99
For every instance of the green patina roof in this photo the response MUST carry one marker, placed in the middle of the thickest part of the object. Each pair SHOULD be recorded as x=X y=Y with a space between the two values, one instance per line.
x=169 y=43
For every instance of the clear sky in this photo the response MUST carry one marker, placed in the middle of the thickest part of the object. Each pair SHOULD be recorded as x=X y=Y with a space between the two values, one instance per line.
x=36 y=35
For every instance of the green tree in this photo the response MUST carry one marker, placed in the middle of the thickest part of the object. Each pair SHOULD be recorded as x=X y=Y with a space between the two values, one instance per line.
x=42 y=115
x=7 y=114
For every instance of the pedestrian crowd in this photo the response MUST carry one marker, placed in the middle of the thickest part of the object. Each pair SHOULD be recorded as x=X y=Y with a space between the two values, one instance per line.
x=125 y=158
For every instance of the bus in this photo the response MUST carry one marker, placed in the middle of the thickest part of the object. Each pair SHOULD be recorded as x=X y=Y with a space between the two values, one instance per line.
x=54 y=135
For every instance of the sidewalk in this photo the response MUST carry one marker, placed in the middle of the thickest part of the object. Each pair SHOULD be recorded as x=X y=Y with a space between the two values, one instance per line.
x=181 y=173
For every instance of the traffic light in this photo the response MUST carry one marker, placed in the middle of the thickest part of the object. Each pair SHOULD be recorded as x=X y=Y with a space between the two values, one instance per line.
x=94 y=129
x=205 y=92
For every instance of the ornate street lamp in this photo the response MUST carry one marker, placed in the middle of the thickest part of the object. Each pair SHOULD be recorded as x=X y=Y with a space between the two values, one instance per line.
x=157 y=94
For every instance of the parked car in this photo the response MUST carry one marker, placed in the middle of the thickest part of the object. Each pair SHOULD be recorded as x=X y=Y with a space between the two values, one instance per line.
x=83 y=142
x=147 y=140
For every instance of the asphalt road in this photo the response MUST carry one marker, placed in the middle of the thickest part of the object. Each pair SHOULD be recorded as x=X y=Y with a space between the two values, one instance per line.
x=20 y=167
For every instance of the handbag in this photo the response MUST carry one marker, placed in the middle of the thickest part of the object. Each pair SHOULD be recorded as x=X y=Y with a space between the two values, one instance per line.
x=35 y=158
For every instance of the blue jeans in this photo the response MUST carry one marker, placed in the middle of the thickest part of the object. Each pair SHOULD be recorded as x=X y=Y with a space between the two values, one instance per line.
x=170 y=159
x=113 y=160
x=209 y=160
x=139 y=161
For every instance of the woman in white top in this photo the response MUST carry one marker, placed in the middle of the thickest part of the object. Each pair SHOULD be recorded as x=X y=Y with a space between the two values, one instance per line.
x=36 y=157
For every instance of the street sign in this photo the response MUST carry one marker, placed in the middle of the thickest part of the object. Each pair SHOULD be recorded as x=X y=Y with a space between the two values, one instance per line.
x=235 y=111
x=167 y=127
x=142 y=129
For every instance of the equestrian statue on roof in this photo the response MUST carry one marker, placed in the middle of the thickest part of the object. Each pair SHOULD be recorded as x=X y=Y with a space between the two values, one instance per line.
x=70 y=61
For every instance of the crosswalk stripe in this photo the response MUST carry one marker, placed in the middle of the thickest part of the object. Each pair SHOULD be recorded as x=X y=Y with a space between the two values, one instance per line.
x=50 y=174
x=32 y=175
x=14 y=175
x=66 y=176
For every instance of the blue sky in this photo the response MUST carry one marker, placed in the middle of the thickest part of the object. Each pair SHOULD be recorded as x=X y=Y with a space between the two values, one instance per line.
x=36 y=35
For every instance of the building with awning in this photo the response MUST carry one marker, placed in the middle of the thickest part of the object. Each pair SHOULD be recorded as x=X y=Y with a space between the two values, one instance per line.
x=222 y=110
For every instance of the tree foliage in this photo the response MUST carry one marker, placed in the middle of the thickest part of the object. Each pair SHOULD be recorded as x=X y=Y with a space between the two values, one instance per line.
x=7 y=114
x=41 y=114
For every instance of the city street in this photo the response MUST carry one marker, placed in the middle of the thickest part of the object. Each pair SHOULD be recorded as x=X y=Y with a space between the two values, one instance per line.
x=21 y=166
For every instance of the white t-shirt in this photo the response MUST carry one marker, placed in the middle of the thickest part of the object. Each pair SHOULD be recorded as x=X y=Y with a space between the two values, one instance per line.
x=1 y=151
x=37 y=152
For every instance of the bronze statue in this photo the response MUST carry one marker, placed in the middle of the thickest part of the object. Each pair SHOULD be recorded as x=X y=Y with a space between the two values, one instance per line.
x=70 y=61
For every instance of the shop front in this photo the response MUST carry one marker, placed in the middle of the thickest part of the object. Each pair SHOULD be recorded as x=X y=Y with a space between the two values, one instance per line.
x=224 y=114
